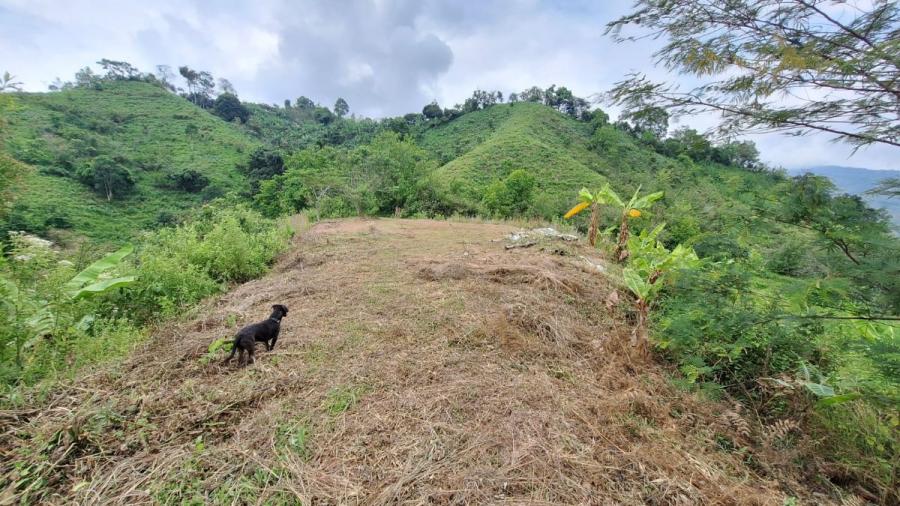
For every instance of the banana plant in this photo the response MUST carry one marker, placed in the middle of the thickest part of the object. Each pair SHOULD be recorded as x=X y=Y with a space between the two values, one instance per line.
x=588 y=200
x=631 y=209
x=87 y=283
x=90 y=281
x=649 y=263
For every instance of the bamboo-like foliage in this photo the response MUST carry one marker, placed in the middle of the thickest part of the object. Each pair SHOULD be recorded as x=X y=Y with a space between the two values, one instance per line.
x=772 y=65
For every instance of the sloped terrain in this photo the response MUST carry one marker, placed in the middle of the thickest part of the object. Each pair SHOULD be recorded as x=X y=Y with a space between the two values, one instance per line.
x=421 y=363
x=149 y=131
x=485 y=145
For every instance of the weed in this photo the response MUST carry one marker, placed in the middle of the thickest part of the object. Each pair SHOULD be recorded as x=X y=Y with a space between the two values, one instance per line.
x=343 y=398
x=294 y=437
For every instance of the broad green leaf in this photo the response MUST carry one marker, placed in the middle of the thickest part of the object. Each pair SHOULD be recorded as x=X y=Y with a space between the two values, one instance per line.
x=632 y=201
x=585 y=196
x=820 y=390
x=655 y=232
x=103 y=286
x=607 y=195
x=646 y=200
x=92 y=272
x=635 y=283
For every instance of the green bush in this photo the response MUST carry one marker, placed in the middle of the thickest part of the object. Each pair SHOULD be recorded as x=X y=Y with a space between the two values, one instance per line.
x=46 y=332
x=511 y=196
x=179 y=266
x=713 y=325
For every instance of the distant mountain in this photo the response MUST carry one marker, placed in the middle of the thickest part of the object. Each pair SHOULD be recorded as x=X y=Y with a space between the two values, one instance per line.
x=857 y=181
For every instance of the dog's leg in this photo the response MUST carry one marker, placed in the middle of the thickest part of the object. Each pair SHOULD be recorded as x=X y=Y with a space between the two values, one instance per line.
x=242 y=360
x=234 y=349
x=274 y=339
x=250 y=354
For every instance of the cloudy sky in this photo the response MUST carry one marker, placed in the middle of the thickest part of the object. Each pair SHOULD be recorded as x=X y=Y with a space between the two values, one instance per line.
x=384 y=57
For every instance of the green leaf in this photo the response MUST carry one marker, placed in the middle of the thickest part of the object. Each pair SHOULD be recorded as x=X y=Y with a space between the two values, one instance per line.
x=92 y=272
x=222 y=342
x=606 y=195
x=10 y=296
x=819 y=390
x=103 y=286
x=633 y=199
x=635 y=283
x=837 y=399
x=585 y=196
x=39 y=325
x=645 y=201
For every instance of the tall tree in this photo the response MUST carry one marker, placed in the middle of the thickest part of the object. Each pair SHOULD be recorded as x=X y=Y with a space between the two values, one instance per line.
x=107 y=176
x=190 y=76
x=119 y=70
x=793 y=66
x=229 y=107
x=432 y=111
x=305 y=103
x=341 y=108
x=649 y=119
x=8 y=83
x=225 y=86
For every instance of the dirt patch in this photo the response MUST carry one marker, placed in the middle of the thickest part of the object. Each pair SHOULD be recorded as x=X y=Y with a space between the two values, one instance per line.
x=421 y=363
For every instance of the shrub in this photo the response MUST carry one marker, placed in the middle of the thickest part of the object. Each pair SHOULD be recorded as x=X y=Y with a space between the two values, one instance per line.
x=228 y=107
x=188 y=180
x=107 y=177
x=179 y=266
x=511 y=196
x=719 y=331
x=50 y=326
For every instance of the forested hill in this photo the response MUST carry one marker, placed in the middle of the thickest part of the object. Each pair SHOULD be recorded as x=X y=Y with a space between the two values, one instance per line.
x=108 y=162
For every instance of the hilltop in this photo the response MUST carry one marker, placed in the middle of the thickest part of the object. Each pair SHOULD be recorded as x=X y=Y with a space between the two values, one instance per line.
x=486 y=145
x=420 y=360
x=156 y=135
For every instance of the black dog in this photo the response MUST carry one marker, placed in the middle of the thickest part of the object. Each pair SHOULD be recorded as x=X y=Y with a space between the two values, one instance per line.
x=264 y=331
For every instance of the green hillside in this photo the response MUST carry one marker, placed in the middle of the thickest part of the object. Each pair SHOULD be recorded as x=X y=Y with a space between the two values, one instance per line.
x=488 y=144
x=155 y=135
x=274 y=126
x=782 y=296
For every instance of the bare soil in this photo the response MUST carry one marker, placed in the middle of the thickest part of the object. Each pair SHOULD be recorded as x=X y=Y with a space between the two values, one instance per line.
x=422 y=362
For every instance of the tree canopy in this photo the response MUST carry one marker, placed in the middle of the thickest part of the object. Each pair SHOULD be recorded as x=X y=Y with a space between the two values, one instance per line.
x=228 y=107
x=793 y=66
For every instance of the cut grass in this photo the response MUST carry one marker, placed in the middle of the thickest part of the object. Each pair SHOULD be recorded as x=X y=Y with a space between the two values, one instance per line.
x=513 y=389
